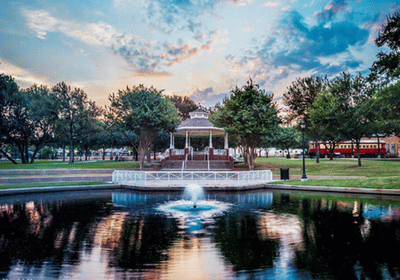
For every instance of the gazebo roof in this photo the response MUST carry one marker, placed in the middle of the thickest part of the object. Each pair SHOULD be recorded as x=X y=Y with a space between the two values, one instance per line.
x=198 y=125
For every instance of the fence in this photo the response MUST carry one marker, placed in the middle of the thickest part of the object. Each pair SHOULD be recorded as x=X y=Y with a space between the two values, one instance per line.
x=182 y=178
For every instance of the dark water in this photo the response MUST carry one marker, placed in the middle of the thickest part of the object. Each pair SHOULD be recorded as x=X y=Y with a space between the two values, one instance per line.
x=247 y=235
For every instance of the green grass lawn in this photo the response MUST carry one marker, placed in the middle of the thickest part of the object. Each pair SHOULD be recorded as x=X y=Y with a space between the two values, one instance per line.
x=38 y=185
x=336 y=167
x=372 y=183
x=52 y=164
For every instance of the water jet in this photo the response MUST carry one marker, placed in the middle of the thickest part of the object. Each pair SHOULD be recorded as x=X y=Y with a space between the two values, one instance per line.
x=194 y=192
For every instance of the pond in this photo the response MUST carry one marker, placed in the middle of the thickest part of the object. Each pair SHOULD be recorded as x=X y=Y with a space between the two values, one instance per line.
x=123 y=234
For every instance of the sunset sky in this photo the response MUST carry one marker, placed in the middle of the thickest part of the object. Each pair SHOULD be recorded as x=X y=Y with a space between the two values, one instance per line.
x=199 y=48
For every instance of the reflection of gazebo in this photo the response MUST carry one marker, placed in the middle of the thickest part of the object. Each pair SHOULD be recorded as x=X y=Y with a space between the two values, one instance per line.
x=198 y=125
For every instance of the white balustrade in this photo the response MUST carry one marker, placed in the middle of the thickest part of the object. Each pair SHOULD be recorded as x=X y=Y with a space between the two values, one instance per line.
x=182 y=178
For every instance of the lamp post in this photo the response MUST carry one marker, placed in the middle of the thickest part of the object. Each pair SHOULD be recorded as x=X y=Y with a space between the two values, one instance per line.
x=303 y=177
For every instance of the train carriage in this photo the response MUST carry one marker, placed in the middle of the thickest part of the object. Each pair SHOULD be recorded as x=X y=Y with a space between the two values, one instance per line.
x=368 y=148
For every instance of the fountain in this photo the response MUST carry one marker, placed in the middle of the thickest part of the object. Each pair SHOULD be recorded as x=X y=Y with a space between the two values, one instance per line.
x=194 y=192
x=194 y=210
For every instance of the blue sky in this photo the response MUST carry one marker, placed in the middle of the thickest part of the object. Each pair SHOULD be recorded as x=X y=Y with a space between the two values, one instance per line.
x=198 y=48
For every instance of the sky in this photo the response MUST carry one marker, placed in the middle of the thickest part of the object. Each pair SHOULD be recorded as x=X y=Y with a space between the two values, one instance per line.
x=199 y=48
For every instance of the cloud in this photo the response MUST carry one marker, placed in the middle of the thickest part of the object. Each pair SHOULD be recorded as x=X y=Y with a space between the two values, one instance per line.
x=271 y=4
x=207 y=96
x=171 y=16
x=294 y=47
x=143 y=57
x=331 y=10
x=23 y=77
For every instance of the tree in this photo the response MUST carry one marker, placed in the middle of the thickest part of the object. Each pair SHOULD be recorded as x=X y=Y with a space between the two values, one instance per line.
x=43 y=114
x=76 y=116
x=387 y=104
x=184 y=104
x=8 y=87
x=299 y=98
x=250 y=114
x=27 y=117
x=342 y=107
x=388 y=64
x=286 y=138
x=145 y=112
x=324 y=116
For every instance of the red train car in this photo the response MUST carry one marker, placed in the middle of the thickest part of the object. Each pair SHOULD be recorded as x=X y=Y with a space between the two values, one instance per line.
x=368 y=148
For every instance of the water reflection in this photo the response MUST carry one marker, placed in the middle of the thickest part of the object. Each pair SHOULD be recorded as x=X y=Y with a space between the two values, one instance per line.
x=122 y=234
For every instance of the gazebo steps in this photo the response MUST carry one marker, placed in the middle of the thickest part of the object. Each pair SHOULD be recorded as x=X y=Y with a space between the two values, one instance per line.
x=196 y=165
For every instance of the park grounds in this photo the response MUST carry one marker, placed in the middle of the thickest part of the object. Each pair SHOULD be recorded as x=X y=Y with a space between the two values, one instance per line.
x=341 y=173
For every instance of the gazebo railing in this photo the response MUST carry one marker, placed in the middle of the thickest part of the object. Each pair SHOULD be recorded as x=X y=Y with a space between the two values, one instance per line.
x=178 y=152
x=183 y=178
x=220 y=152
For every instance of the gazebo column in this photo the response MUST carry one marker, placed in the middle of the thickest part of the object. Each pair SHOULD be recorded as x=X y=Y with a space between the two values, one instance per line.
x=226 y=146
x=171 y=144
x=187 y=143
x=211 y=149
x=171 y=140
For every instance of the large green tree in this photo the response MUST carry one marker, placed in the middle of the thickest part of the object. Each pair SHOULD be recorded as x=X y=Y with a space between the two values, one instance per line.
x=286 y=138
x=43 y=112
x=342 y=108
x=387 y=103
x=8 y=88
x=76 y=116
x=387 y=66
x=250 y=114
x=299 y=99
x=145 y=111
x=325 y=116
x=27 y=118
x=184 y=104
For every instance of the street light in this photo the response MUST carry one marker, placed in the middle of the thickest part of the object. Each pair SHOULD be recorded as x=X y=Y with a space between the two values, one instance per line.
x=303 y=177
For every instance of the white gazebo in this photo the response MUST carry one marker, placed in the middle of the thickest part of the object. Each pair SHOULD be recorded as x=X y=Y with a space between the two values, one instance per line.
x=198 y=125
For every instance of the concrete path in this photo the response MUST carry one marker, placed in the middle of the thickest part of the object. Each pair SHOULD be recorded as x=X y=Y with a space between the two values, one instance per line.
x=54 y=175
x=55 y=179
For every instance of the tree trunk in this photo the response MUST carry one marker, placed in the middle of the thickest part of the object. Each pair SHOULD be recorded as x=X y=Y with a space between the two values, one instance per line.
x=379 y=147
x=317 y=155
x=63 y=152
x=10 y=158
x=37 y=149
x=136 y=155
x=104 y=154
x=26 y=152
x=358 y=153
x=21 y=151
x=71 y=151
x=331 y=151
x=148 y=156
x=71 y=144
x=251 y=158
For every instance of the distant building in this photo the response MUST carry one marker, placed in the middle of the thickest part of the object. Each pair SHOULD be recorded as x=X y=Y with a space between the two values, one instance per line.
x=392 y=144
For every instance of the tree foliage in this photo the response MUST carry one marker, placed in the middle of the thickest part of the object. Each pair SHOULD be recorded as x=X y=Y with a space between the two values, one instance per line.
x=388 y=64
x=387 y=104
x=342 y=108
x=76 y=116
x=299 y=98
x=250 y=114
x=286 y=138
x=27 y=118
x=145 y=112
x=184 y=104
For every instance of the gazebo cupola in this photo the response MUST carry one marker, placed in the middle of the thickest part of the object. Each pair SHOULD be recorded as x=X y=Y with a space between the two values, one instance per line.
x=198 y=125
